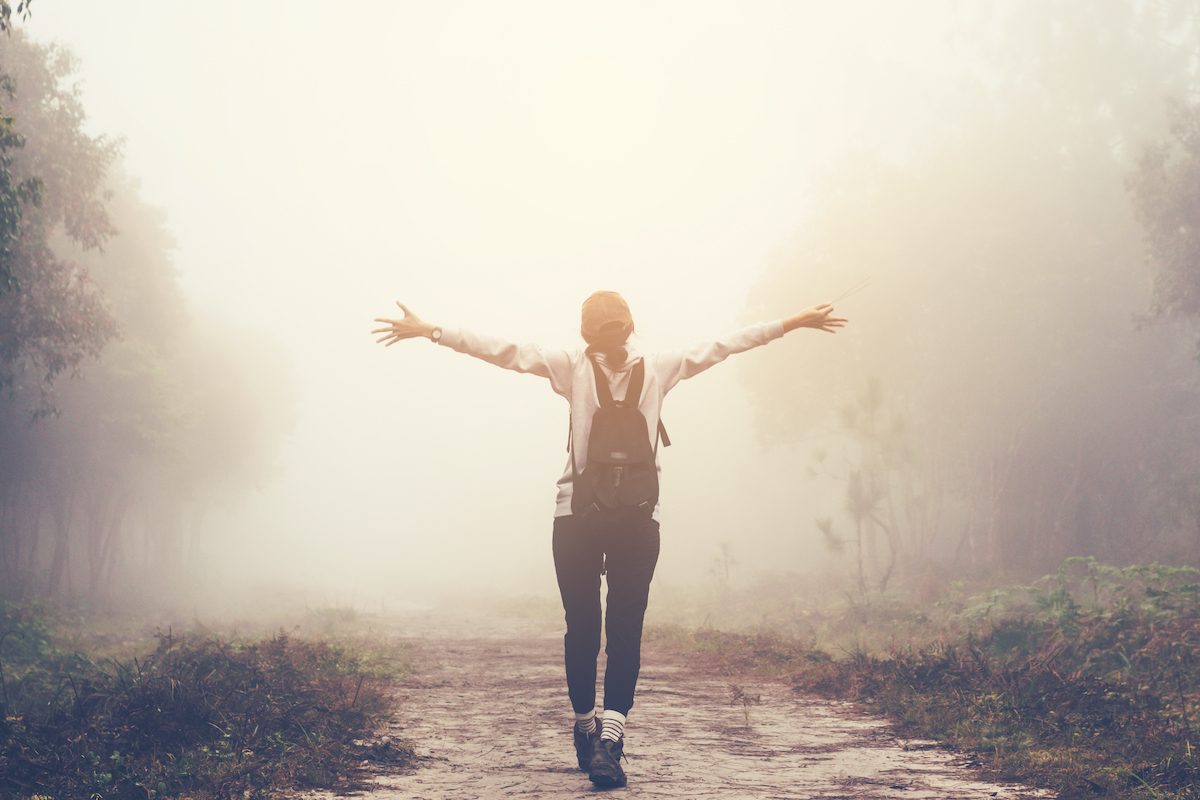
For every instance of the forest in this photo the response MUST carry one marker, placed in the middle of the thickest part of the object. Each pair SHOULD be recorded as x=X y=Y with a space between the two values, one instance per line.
x=973 y=516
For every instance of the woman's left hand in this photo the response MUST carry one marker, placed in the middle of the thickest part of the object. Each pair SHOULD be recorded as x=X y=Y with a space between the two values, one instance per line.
x=819 y=317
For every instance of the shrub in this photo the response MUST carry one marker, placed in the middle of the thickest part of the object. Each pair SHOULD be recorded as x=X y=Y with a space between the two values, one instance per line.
x=199 y=715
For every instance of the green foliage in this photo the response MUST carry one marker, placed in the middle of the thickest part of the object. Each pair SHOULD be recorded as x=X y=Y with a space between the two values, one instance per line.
x=1086 y=681
x=141 y=429
x=1166 y=188
x=15 y=193
x=1041 y=419
x=52 y=316
x=24 y=639
x=200 y=715
x=6 y=13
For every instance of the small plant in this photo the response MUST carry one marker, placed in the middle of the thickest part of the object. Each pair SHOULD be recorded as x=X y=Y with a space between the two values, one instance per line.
x=1086 y=681
x=738 y=695
x=199 y=715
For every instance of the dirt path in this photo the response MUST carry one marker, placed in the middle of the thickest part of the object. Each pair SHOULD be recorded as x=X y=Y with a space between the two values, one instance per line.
x=689 y=735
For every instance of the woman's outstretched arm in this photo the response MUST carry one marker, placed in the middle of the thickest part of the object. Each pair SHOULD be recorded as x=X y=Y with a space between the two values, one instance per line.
x=552 y=364
x=679 y=365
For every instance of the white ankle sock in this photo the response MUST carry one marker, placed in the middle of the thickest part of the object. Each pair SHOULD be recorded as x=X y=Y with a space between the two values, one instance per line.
x=586 y=722
x=614 y=725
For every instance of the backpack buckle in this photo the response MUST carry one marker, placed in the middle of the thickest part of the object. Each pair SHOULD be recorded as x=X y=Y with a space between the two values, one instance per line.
x=616 y=473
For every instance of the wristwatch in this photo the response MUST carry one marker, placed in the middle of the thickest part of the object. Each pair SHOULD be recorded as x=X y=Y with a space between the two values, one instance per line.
x=435 y=335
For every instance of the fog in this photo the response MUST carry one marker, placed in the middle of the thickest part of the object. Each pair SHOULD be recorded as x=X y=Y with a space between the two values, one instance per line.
x=490 y=165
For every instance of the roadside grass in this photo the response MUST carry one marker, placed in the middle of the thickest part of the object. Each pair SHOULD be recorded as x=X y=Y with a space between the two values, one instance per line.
x=1086 y=682
x=97 y=709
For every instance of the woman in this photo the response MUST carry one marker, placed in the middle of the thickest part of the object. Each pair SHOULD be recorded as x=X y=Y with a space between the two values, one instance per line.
x=622 y=542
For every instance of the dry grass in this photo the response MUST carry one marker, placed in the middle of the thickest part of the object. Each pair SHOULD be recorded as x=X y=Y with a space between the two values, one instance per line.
x=1087 y=682
x=196 y=715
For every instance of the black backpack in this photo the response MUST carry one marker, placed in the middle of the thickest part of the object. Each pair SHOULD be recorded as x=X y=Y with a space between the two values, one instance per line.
x=621 y=471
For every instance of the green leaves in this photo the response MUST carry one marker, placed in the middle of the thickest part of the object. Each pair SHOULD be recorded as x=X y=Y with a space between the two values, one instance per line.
x=6 y=13
x=199 y=715
x=1167 y=197
x=52 y=181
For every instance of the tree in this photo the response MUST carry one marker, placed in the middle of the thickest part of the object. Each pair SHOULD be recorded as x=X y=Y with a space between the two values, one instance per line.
x=52 y=185
x=6 y=13
x=1002 y=317
x=1166 y=189
x=165 y=413
x=15 y=193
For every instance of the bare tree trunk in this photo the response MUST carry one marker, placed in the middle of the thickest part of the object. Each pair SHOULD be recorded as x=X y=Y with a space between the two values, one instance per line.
x=858 y=529
x=94 y=533
x=999 y=478
x=10 y=541
x=966 y=541
x=60 y=563
x=890 y=536
x=199 y=514
x=1196 y=525
x=112 y=539
x=1070 y=495
x=35 y=538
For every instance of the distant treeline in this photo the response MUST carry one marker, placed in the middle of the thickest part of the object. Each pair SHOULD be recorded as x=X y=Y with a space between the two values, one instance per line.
x=1026 y=383
x=1024 y=387
x=123 y=415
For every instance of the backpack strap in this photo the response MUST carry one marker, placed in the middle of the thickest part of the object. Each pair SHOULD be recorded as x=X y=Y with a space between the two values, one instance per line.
x=637 y=379
x=603 y=392
x=570 y=449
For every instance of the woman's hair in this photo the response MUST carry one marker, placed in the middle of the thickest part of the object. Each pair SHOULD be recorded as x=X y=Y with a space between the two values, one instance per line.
x=610 y=342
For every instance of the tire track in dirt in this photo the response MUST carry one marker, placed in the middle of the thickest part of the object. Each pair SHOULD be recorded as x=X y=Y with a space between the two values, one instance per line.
x=690 y=735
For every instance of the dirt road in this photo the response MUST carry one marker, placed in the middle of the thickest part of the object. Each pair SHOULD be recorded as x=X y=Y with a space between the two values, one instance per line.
x=489 y=717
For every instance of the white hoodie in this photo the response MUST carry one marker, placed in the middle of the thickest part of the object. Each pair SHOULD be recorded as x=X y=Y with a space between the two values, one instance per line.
x=570 y=375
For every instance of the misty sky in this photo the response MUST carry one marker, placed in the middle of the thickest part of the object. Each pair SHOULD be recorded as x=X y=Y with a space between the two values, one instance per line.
x=491 y=164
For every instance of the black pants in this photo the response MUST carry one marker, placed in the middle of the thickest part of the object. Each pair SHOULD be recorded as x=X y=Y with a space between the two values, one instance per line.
x=626 y=544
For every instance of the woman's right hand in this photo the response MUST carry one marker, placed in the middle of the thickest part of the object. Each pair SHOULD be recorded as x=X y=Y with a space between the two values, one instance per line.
x=407 y=327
